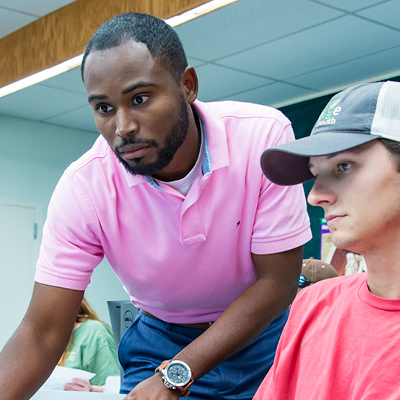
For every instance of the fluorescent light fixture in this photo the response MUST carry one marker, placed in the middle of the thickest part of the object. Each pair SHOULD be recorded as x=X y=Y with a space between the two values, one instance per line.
x=41 y=76
x=198 y=12
x=76 y=61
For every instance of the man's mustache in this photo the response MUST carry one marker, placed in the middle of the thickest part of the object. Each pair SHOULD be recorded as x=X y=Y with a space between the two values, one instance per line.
x=135 y=140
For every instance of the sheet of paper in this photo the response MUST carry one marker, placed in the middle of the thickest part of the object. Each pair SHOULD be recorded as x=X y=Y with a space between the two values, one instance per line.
x=62 y=375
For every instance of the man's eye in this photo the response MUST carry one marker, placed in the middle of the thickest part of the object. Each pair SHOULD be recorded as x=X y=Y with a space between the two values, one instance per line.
x=103 y=108
x=344 y=166
x=139 y=99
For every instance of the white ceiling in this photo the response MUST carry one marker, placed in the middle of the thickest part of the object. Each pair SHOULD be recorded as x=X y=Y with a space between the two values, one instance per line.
x=273 y=52
x=15 y=14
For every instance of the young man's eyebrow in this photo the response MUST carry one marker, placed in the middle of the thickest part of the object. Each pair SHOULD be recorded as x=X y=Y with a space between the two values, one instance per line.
x=137 y=86
x=96 y=97
x=329 y=156
x=332 y=155
x=125 y=91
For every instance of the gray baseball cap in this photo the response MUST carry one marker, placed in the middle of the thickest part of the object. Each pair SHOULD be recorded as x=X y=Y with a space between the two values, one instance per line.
x=352 y=117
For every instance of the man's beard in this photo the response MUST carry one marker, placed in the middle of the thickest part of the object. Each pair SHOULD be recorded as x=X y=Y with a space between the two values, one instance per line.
x=173 y=141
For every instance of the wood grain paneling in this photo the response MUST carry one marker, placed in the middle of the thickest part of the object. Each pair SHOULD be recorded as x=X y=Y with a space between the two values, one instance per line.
x=64 y=33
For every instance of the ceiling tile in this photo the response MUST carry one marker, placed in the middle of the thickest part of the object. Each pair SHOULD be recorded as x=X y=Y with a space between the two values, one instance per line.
x=39 y=102
x=385 y=13
x=35 y=7
x=81 y=118
x=11 y=21
x=275 y=95
x=328 y=44
x=217 y=82
x=249 y=23
x=194 y=62
x=363 y=69
x=70 y=81
x=350 y=5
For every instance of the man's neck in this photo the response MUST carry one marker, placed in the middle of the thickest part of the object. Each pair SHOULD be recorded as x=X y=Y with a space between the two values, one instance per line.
x=186 y=156
x=383 y=274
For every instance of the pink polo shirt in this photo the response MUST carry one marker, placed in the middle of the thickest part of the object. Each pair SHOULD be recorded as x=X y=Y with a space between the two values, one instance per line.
x=182 y=258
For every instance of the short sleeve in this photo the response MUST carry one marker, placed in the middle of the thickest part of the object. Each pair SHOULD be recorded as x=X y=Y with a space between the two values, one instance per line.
x=70 y=248
x=281 y=222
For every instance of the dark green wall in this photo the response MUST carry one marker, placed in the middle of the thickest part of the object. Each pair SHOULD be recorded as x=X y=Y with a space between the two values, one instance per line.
x=303 y=117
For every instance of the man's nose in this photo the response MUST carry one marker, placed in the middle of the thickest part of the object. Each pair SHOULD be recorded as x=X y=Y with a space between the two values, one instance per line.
x=126 y=124
x=321 y=193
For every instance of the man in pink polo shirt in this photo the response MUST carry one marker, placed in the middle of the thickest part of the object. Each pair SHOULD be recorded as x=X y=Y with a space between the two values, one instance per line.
x=173 y=195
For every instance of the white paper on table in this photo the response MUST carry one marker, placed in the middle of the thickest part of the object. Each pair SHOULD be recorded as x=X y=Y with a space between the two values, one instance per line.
x=63 y=375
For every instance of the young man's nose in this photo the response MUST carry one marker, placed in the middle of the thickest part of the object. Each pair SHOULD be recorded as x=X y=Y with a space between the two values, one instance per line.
x=125 y=123
x=321 y=193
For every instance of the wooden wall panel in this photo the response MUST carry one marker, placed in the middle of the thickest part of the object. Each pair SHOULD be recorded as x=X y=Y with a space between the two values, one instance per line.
x=64 y=33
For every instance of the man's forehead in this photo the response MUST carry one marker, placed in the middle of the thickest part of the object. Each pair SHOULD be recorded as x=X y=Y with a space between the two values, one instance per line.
x=125 y=50
x=129 y=57
x=357 y=150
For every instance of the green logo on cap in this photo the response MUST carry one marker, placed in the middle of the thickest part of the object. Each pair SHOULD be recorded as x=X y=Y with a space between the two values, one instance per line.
x=327 y=113
x=326 y=117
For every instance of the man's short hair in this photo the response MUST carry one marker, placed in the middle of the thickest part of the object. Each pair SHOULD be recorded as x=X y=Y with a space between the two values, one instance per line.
x=394 y=149
x=160 y=38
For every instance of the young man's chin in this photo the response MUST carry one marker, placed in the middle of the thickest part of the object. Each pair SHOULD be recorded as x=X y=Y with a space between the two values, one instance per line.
x=344 y=243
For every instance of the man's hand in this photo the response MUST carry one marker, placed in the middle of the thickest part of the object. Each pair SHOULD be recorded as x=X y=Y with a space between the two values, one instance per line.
x=151 y=389
x=80 y=385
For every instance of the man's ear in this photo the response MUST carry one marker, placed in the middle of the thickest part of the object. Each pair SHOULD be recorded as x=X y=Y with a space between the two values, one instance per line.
x=189 y=84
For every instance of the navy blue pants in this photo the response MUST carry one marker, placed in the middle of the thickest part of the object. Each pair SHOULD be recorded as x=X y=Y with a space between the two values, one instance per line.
x=148 y=342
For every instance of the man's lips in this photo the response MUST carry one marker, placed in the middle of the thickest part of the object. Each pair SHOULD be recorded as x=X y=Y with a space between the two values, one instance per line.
x=133 y=151
x=332 y=219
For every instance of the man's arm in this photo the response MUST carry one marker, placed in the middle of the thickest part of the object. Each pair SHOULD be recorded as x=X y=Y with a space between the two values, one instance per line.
x=31 y=354
x=245 y=319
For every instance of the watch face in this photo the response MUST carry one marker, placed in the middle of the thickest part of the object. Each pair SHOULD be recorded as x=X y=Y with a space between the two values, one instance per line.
x=178 y=373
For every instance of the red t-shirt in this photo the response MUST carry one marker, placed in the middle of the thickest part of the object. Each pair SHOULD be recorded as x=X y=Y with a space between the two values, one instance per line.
x=340 y=342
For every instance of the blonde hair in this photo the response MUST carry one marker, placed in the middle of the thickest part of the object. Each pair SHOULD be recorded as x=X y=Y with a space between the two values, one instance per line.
x=84 y=314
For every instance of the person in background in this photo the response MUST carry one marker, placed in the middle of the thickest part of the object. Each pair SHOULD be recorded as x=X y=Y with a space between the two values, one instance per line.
x=172 y=194
x=354 y=264
x=314 y=271
x=91 y=348
x=342 y=337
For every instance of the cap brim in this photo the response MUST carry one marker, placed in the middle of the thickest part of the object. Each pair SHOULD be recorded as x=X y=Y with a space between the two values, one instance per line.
x=287 y=164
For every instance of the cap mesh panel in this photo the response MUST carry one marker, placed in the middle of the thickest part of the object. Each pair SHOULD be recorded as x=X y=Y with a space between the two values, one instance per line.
x=386 y=122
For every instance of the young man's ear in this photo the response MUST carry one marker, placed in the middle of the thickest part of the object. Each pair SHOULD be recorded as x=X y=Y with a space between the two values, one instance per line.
x=189 y=84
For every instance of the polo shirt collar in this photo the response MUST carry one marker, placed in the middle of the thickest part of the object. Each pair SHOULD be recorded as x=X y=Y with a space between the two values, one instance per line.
x=215 y=133
x=216 y=147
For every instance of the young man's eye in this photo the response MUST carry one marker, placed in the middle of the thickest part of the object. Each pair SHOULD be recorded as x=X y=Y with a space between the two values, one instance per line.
x=103 y=108
x=137 y=100
x=344 y=166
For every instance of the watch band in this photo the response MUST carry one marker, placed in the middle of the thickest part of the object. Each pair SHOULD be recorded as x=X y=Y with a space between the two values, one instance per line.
x=185 y=390
x=162 y=365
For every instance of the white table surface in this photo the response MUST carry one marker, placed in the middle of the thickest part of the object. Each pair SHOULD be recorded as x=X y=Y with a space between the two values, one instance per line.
x=61 y=395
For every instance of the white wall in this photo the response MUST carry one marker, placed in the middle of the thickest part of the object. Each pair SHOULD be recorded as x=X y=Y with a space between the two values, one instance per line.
x=33 y=156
